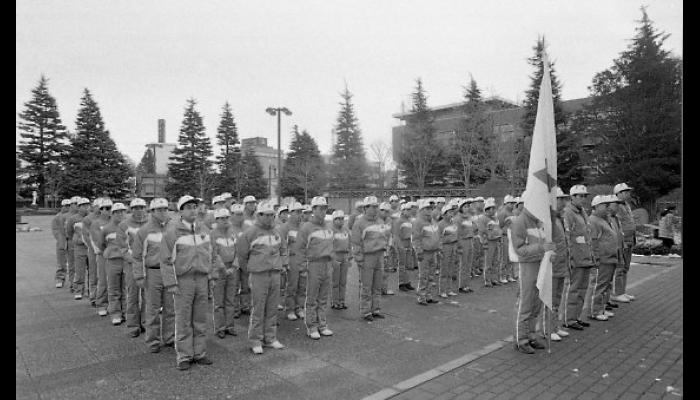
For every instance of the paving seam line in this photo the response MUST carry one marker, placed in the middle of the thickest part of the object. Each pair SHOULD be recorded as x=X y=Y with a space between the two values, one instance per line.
x=467 y=358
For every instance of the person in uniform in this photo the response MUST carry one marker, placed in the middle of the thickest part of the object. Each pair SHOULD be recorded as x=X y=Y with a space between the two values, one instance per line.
x=402 y=228
x=315 y=247
x=530 y=244
x=385 y=217
x=451 y=251
x=135 y=304
x=185 y=265
x=614 y=204
x=465 y=233
x=241 y=301
x=341 y=259
x=147 y=275
x=489 y=235
x=112 y=244
x=505 y=274
x=359 y=209
x=218 y=202
x=561 y=268
x=578 y=237
x=624 y=214
x=426 y=242
x=70 y=246
x=305 y=214
x=297 y=268
x=261 y=251
x=477 y=210
x=369 y=240
x=57 y=229
x=223 y=243
x=74 y=229
x=91 y=256
x=605 y=252
x=282 y=216
x=100 y=299
x=249 y=206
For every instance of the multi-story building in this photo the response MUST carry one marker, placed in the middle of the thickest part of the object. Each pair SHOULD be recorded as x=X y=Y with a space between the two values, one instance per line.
x=153 y=183
x=504 y=117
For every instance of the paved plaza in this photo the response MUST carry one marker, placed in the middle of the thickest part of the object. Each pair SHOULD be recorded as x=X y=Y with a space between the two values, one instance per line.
x=457 y=349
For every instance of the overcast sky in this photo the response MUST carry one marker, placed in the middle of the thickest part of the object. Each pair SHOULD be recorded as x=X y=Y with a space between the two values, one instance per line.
x=143 y=60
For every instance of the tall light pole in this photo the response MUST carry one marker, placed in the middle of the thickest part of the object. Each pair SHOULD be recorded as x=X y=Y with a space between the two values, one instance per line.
x=278 y=112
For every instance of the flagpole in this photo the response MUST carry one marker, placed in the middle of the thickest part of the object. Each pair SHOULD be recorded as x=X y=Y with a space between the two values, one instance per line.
x=547 y=309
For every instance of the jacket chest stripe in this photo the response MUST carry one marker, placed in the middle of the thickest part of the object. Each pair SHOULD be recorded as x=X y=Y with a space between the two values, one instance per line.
x=266 y=240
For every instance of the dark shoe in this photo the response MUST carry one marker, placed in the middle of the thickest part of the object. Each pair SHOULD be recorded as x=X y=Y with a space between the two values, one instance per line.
x=171 y=344
x=574 y=325
x=378 y=316
x=608 y=308
x=524 y=348
x=368 y=317
x=535 y=344
x=93 y=304
x=488 y=284
x=496 y=283
x=204 y=361
x=183 y=365
x=409 y=287
x=403 y=288
x=343 y=306
x=142 y=329
x=423 y=302
x=221 y=334
x=135 y=332
x=245 y=311
x=583 y=323
x=154 y=349
x=432 y=301
x=613 y=305
x=231 y=332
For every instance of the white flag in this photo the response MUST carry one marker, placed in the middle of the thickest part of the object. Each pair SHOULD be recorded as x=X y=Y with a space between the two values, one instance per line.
x=540 y=195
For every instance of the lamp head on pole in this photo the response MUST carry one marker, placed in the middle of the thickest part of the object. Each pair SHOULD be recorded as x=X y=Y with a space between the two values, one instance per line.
x=271 y=111
x=286 y=111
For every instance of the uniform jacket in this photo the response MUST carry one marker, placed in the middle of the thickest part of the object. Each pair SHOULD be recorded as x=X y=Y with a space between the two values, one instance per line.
x=425 y=236
x=260 y=249
x=112 y=242
x=448 y=231
x=603 y=240
x=146 y=247
x=341 y=240
x=351 y=219
x=184 y=247
x=466 y=226
x=624 y=215
x=369 y=236
x=502 y=217
x=248 y=220
x=617 y=227
x=578 y=236
x=315 y=241
x=223 y=252
x=288 y=231
x=131 y=226
x=402 y=231
x=74 y=231
x=560 y=261
x=95 y=231
x=528 y=238
x=488 y=228
x=87 y=226
x=58 y=224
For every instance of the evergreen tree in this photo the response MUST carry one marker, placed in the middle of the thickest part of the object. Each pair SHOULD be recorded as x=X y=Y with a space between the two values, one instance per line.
x=95 y=167
x=147 y=165
x=636 y=117
x=44 y=141
x=302 y=174
x=349 y=165
x=253 y=182
x=420 y=158
x=229 y=161
x=190 y=170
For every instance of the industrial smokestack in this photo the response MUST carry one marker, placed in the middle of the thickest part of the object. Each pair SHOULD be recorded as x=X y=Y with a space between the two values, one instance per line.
x=161 y=130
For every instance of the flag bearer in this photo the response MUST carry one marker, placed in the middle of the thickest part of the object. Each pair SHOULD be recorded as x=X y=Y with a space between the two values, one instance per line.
x=261 y=250
x=489 y=234
x=242 y=294
x=315 y=246
x=529 y=243
x=341 y=259
x=402 y=240
x=426 y=242
x=224 y=273
x=604 y=245
x=451 y=250
x=578 y=238
x=369 y=239
x=185 y=264
x=57 y=228
x=135 y=304
x=147 y=274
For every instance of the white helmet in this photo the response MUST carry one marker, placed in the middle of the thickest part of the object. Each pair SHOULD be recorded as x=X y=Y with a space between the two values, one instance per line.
x=490 y=202
x=440 y=200
x=217 y=199
x=405 y=206
x=118 y=207
x=423 y=203
x=221 y=213
x=599 y=199
x=158 y=203
x=283 y=207
x=184 y=200
x=65 y=202
x=75 y=199
x=264 y=208
x=620 y=187
x=560 y=193
x=508 y=199
x=447 y=207
x=481 y=199
x=106 y=203
x=307 y=208
x=83 y=200
x=359 y=204
x=137 y=202
x=338 y=214
x=319 y=201
x=225 y=195
x=578 y=189
x=296 y=206
x=237 y=208
x=249 y=199
x=370 y=201
x=96 y=202
x=385 y=206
